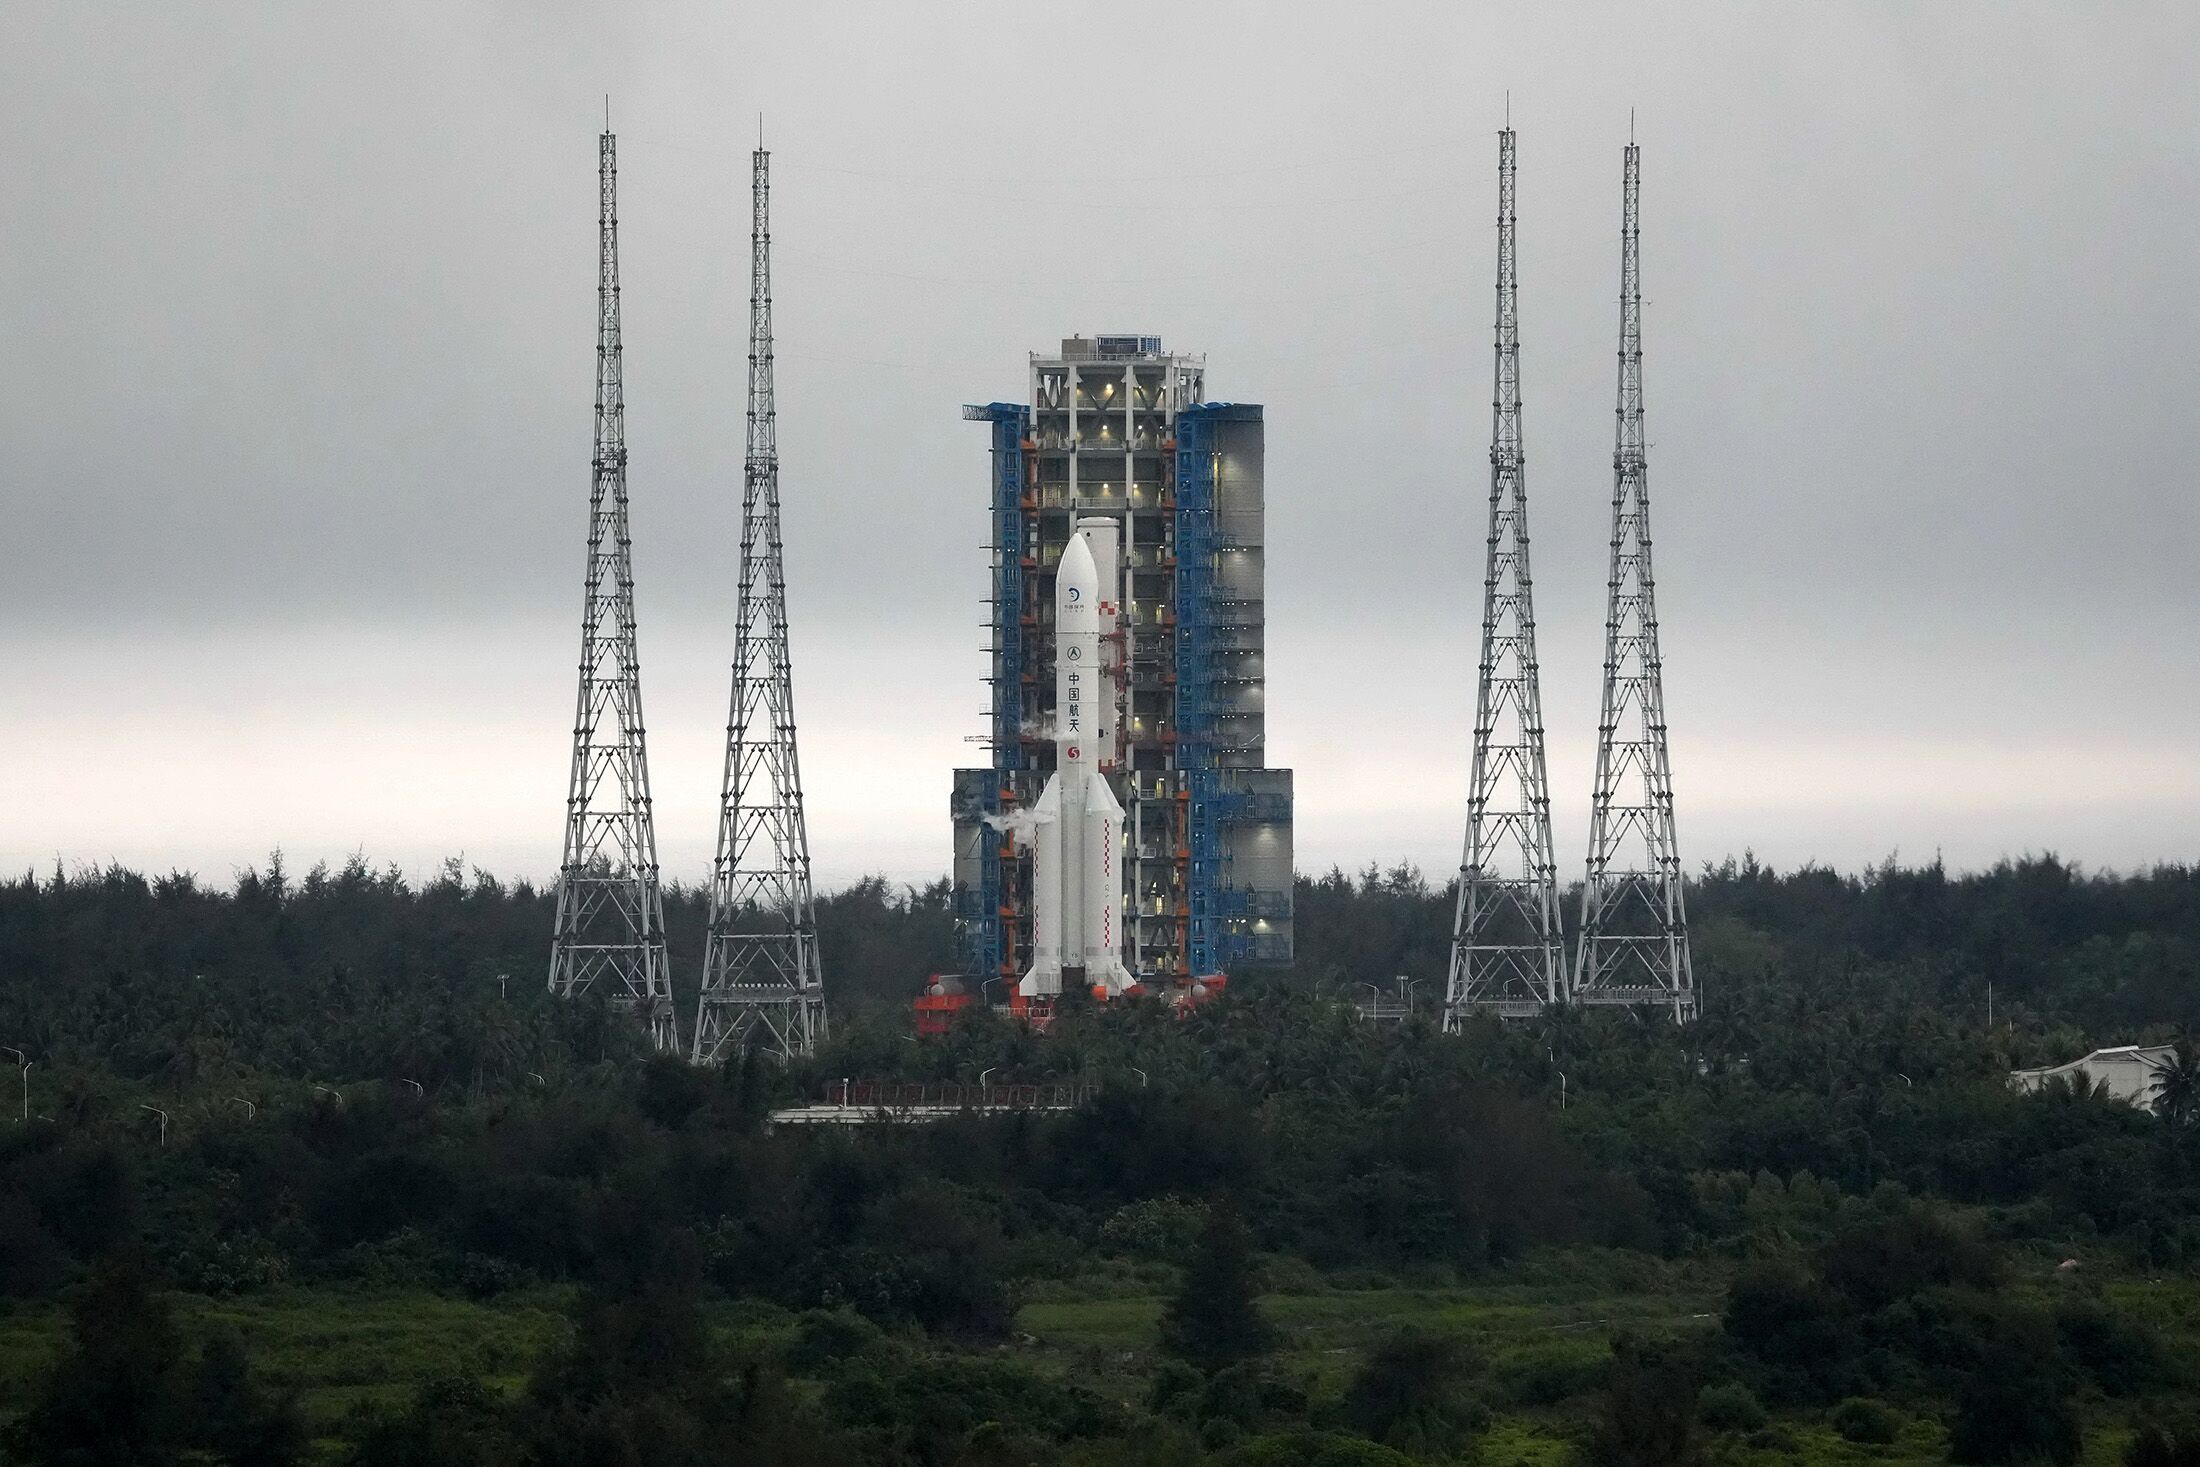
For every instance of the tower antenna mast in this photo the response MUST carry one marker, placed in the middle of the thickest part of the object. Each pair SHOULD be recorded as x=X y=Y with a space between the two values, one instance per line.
x=1507 y=952
x=1634 y=924
x=762 y=983
x=610 y=914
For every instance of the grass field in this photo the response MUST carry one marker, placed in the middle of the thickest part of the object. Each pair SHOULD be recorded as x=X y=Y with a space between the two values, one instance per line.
x=339 y=1348
x=1545 y=1332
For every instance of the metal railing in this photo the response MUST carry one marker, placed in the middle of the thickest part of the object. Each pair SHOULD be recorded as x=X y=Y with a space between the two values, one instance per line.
x=910 y=1094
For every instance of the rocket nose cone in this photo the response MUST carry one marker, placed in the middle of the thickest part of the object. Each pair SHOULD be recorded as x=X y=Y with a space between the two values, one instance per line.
x=1077 y=562
x=1077 y=578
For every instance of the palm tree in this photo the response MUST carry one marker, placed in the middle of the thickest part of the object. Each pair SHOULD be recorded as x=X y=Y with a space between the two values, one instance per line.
x=2177 y=1084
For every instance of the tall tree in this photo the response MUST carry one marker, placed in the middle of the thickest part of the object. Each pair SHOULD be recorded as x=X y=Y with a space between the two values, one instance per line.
x=2177 y=1084
x=1214 y=1321
x=1648 y=1417
x=114 y=1399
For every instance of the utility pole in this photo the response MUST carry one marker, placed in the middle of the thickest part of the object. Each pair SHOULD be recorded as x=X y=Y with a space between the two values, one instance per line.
x=762 y=982
x=1507 y=951
x=1634 y=924
x=23 y=1063
x=611 y=919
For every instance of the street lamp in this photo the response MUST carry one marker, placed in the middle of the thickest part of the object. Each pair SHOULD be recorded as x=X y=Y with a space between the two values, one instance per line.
x=989 y=1069
x=415 y=1085
x=156 y=1110
x=984 y=985
x=23 y=1061
x=537 y=1079
x=1561 y=1089
x=250 y=1110
x=331 y=1091
x=1141 y=1074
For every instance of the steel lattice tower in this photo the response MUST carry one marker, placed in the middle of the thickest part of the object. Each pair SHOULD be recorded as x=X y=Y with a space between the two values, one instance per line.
x=1634 y=926
x=611 y=920
x=761 y=979
x=1507 y=952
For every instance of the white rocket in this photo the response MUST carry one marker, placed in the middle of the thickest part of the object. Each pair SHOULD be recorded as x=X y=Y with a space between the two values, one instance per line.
x=1077 y=865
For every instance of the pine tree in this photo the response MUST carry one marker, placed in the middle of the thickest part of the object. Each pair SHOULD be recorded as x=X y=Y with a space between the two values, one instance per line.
x=1213 y=1321
x=236 y=1418
x=114 y=1400
x=1649 y=1413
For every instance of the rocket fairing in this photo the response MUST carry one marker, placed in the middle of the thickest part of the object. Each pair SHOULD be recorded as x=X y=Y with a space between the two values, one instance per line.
x=1077 y=868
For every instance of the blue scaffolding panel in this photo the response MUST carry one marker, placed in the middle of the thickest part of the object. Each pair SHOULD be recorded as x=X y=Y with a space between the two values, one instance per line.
x=984 y=944
x=1200 y=612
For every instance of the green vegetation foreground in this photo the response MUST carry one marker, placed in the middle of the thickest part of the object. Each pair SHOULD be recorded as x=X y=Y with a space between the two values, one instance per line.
x=402 y=1216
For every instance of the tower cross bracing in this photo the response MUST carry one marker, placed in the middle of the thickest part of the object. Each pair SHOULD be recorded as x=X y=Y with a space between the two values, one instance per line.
x=1634 y=924
x=762 y=981
x=610 y=931
x=1507 y=953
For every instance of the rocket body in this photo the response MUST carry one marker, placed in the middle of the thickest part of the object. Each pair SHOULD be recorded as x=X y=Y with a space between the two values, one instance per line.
x=1077 y=867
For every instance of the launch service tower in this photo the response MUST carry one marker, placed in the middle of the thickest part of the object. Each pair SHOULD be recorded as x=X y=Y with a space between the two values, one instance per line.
x=1119 y=447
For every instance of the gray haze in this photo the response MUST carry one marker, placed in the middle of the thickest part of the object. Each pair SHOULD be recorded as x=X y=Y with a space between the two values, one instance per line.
x=298 y=313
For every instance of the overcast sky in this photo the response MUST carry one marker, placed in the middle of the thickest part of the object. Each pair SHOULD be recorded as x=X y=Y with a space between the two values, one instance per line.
x=298 y=310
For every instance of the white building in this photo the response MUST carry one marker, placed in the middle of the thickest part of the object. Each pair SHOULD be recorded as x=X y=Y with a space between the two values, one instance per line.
x=2127 y=1072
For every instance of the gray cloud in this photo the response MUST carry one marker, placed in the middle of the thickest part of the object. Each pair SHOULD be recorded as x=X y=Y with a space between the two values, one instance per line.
x=301 y=314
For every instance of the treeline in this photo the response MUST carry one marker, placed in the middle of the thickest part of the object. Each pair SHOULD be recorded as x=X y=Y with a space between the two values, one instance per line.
x=2106 y=952
x=356 y=972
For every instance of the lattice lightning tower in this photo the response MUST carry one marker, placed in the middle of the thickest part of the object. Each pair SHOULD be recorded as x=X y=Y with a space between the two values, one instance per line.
x=761 y=979
x=611 y=920
x=1634 y=927
x=1507 y=952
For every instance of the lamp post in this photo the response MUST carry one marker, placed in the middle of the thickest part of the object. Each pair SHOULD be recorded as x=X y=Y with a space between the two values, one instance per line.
x=330 y=1091
x=250 y=1110
x=417 y=1090
x=156 y=1110
x=1141 y=1074
x=23 y=1062
x=1561 y=1089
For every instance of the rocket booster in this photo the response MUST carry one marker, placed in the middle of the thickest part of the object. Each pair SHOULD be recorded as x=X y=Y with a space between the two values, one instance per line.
x=1077 y=870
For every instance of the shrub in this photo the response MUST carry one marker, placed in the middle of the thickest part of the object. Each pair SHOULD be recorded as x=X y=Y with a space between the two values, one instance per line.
x=1864 y=1421
x=1286 y=1273
x=1314 y=1449
x=1545 y=1374
x=1159 y=1227
x=1648 y=1417
x=1411 y=1394
x=2151 y=1446
x=1792 y=1325
x=1174 y=1389
x=825 y=1339
x=1730 y=1406
x=2123 y=1358
x=2015 y=1407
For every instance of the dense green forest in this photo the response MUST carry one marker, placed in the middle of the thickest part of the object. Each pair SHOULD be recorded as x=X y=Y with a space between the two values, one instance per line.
x=311 y=1169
